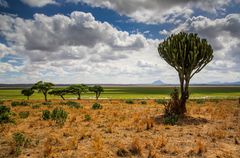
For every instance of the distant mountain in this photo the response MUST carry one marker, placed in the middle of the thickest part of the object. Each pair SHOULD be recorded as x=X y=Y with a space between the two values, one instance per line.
x=158 y=82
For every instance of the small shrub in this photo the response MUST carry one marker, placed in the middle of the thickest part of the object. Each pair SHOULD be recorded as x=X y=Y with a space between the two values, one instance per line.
x=73 y=104
x=59 y=116
x=16 y=103
x=1 y=102
x=129 y=101
x=5 y=114
x=200 y=101
x=136 y=148
x=47 y=103
x=161 y=101
x=170 y=120
x=121 y=152
x=96 y=106
x=87 y=117
x=20 y=141
x=143 y=102
x=46 y=114
x=37 y=106
x=23 y=114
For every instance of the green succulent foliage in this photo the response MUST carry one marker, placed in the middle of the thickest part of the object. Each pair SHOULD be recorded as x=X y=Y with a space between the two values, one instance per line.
x=43 y=87
x=188 y=54
x=27 y=92
x=59 y=92
x=77 y=89
x=97 y=89
x=59 y=116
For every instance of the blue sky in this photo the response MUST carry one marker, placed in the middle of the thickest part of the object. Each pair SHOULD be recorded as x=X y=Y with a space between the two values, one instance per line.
x=112 y=41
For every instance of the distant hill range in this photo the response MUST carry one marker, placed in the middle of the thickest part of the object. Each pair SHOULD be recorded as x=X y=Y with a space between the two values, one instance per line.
x=155 y=83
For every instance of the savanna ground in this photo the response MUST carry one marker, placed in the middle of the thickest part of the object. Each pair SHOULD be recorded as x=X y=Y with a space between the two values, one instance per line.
x=211 y=129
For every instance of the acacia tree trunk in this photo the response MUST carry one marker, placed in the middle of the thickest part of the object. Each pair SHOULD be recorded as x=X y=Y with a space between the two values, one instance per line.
x=62 y=97
x=97 y=96
x=45 y=96
x=79 y=96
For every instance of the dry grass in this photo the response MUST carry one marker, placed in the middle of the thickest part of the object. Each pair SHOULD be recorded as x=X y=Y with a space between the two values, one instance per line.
x=119 y=129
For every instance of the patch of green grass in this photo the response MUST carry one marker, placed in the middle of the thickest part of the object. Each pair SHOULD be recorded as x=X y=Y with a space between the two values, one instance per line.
x=129 y=101
x=96 y=106
x=37 y=106
x=20 y=141
x=73 y=104
x=200 y=101
x=87 y=117
x=143 y=102
x=21 y=103
x=161 y=101
x=47 y=103
x=23 y=114
x=59 y=116
x=5 y=114
x=131 y=92
x=46 y=114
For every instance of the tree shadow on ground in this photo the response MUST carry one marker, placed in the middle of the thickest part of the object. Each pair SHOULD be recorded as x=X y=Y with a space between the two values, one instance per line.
x=183 y=121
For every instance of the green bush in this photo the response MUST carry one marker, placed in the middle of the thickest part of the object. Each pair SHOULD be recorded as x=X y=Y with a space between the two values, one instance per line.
x=143 y=102
x=20 y=141
x=87 y=117
x=37 y=106
x=59 y=116
x=171 y=119
x=96 y=106
x=1 y=102
x=160 y=101
x=129 y=101
x=47 y=103
x=5 y=114
x=22 y=103
x=73 y=104
x=23 y=114
x=46 y=114
x=200 y=101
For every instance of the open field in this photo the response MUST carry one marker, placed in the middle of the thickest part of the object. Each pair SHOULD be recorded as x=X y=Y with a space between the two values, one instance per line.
x=138 y=93
x=211 y=129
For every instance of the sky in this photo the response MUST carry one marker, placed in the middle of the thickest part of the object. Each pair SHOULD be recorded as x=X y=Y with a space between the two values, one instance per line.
x=112 y=41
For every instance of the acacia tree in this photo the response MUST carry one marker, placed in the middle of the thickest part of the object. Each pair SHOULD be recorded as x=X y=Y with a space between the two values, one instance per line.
x=78 y=89
x=27 y=92
x=97 y=89
x=187 y=54
x=59 y=92
x=43 y=87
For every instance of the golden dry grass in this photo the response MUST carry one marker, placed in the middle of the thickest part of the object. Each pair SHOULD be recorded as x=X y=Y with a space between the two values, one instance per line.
x=211 y=129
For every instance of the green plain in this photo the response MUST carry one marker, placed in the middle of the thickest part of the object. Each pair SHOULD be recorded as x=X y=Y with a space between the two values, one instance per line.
x=130 y=92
